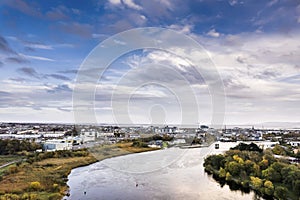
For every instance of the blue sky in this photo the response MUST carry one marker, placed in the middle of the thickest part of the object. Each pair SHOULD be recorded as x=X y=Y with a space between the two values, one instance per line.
x=255 y=46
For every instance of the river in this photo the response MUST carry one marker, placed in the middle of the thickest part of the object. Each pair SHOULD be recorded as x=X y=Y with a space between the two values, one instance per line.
x=172 y=173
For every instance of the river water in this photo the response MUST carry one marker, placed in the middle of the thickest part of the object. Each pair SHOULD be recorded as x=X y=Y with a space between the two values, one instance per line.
x=165 y=174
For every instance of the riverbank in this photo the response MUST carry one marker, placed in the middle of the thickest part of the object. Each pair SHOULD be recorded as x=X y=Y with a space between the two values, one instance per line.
x=44 y=176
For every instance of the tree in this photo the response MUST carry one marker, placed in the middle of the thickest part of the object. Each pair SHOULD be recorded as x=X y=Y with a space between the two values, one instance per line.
x=279 y=150
x=247 y=147
x=228 y=177
x=280 y=192
x=264 y=164
x=222 y=173
x=268 y=187
x=238 y=159
x=234 y=168
x=256 y=182
x=216 y=161
x=273 y=172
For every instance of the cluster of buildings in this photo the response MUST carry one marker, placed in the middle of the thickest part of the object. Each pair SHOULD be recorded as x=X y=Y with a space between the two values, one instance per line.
x=69 y=136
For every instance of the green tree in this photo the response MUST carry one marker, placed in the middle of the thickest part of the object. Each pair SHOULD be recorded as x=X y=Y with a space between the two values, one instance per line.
x=234 y=168
x=279 y=150
x=268 y=187
x=273 y=172
x=280 y=192
x=228 y=177
x=222 y=173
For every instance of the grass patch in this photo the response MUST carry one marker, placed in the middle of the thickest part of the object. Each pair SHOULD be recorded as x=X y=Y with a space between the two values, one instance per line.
x=47 y=177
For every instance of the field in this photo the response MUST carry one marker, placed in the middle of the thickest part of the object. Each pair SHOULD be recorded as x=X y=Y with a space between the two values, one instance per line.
x=46 y=178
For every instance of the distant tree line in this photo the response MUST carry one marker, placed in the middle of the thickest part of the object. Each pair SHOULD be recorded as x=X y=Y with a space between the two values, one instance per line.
x=11 y=147
x=157 y=137
x=143 y=142
x=247 y=167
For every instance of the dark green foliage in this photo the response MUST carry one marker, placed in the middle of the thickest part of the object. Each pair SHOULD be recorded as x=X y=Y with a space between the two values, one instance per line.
x=12 y=147
x=139 y=144
x=216 y=161
x=281 y=192
x=247 y=147
x=251 y=169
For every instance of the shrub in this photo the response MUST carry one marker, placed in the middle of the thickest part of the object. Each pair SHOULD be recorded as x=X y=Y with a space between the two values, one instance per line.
x=269 y=187
x=25 y=196
x=10 y=197
x=35 y=186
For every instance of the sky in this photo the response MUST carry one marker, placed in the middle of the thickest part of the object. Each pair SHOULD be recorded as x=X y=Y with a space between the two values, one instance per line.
x=253 y=45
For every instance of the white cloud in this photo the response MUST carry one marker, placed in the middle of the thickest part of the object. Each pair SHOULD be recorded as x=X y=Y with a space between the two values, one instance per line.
x=39 y=46
x=115 y=2
x=213 y=33
x=37 y=58
x=185 y=29
x=233 y=2
x=131 y=4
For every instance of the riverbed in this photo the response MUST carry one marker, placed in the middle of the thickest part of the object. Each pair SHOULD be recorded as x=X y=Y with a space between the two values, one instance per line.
x=165 y=174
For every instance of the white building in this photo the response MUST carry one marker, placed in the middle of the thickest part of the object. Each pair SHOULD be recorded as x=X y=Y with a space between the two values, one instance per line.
x=57 y=144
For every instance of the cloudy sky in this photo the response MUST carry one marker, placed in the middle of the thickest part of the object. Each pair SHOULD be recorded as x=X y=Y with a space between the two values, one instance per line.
x=253 y=45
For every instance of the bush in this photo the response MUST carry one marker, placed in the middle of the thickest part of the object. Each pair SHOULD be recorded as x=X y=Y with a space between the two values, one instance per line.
x=35 y=186
x=10 y=197
x=269 y=188
x=25 y=196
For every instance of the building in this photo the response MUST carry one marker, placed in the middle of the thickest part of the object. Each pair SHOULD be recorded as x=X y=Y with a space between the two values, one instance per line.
x=295 y=143
x=57 y=144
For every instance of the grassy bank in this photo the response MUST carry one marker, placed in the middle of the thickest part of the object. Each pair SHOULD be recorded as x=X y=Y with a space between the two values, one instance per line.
x=44 y=175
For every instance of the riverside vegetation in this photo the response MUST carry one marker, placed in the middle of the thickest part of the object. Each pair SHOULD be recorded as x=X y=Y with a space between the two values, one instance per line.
x=43 y=175
x=247 y=167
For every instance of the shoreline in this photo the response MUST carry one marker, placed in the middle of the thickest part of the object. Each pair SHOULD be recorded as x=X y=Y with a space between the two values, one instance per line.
x=50 y=171
x=137 y=150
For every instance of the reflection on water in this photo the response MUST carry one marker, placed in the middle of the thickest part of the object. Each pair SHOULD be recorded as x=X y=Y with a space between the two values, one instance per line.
x=167 y=174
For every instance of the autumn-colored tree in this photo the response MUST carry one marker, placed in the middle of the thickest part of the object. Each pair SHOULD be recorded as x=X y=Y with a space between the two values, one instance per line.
x=268 y=187
x=256 y=182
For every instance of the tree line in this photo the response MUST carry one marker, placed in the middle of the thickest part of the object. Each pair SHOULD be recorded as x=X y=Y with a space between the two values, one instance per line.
x=248 y=167
x=12 y=147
